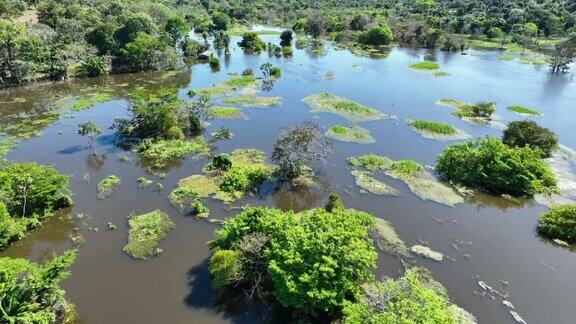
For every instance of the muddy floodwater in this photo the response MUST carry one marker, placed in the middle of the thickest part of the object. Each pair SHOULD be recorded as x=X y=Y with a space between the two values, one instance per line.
x=486 y=240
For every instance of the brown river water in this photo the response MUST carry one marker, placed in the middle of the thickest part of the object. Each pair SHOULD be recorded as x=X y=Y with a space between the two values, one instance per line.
x=498 y=235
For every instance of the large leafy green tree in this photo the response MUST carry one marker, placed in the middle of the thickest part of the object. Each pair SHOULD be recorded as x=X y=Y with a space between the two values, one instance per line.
x=30 y=293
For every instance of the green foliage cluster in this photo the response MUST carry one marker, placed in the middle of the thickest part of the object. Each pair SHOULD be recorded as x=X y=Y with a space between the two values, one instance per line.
x=107 y=186
x=251 y=42
x=30 y=293
x=297 y=255
x=199 y=209
x=559 y=223
x=161 y=152
x=29 y=193
x=410 y=299
x=381 y=35
x=88 y=39
x=146 y=232
x=433 y=127
x=242 y=178
x=528 y=133
x=488 y=164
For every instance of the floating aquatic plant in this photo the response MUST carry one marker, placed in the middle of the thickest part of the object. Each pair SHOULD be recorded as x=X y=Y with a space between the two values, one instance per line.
x=436 y=130
x=163 y=151
x=254 y=101
x=366 y=181
x=524 y=111
x=426 y=252
x=227 y=113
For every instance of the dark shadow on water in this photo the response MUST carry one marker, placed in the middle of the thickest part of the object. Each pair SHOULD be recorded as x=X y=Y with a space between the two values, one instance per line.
x=73 y=149
x=202 y=295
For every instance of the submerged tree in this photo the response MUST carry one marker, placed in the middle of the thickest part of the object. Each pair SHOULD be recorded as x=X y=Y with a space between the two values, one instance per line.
x=298 y=147
x=286 y=38
x=198 y=112
x=563 y=55
x=528 y=133
x=90 y=130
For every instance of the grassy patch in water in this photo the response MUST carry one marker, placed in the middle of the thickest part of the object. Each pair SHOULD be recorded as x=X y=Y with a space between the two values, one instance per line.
x=182 y=197
x=352 y=134
x=89 y=100
x=387 y=239
x=436 y=130
x=6 y=145
x=146 y=232
x=425 y=66
x=26 y=125
x=420 y=182
x=232 y=84
x=433 y=127
x=327 y=102
x=254 y=101
x=239 y=30
x=521 y=110
x=107 y=186
x=249 y=169
x=163 y=151
x=227 y=113
x=478 y=112
x=366 y=181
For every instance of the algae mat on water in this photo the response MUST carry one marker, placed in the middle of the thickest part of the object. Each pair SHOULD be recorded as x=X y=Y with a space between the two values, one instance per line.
x=232 y=84
x=146 y=232
x=420 y=182
x=353 y=111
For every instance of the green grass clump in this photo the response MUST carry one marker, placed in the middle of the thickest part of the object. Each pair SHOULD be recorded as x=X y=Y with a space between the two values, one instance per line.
x=163 y=151
x=146 y=232
x=559 y=223
x=523 y=110
x=425 y=65
x=108 y=186
x=227 y=113
x=327 y=102
x=353 y=134
x=406 y=167
x=182 y=197
x=371 y=162
x=241 y=81
x=433 y=127
x=254 y=101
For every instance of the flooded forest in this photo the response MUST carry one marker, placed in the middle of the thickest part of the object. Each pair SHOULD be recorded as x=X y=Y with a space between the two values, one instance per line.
x=245 y=162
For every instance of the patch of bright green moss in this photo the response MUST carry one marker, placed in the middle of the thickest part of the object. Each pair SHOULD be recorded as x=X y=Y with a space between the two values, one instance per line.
x=327 y=102
x=146 y=232
x=352 y=134
x=436 y=130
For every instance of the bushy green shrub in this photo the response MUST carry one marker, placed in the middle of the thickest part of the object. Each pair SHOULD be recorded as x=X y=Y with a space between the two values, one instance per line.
x=528 y=133
x=214 y=63
x=93 y=66
x=251 y=42
x=300 y=246
x=225 y=268
x=381 y=35
x=242 y=178
x=559 y=223
x=494 y=32
x=482 y=109
x=199 y=209
x=286 y=38
x=222 y=162
x=488 y=164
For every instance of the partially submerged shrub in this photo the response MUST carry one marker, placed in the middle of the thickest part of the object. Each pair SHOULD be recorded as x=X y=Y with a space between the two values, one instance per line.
x=559 y=223
x=333 y=203
x=214 y=63
x=488 y=164
x=107 y=186
x=251 y=42
x=225 y=268
x=222 y=162
x=381 y=35
x=528 y=133
x=163 y=151
x=181 y=197
x=298 y=147
x=199 y=210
